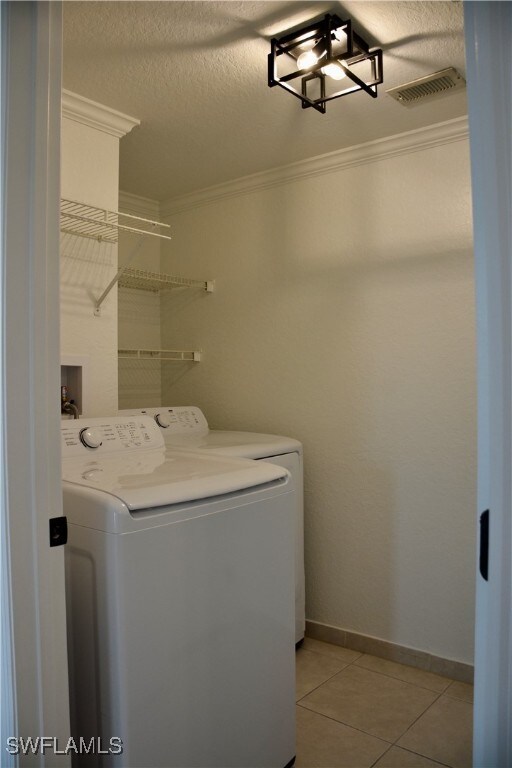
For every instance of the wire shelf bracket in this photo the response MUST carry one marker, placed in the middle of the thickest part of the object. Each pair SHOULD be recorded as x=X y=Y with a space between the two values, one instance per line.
x=177 y=355
x=155 y=282
x=104 y=225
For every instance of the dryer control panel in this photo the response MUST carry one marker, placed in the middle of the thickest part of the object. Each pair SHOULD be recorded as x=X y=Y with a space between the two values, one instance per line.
x=180 y=420
x=109 y=435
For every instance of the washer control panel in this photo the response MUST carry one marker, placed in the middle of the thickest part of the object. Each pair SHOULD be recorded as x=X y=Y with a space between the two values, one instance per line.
x=181 y=420
x=111 y=435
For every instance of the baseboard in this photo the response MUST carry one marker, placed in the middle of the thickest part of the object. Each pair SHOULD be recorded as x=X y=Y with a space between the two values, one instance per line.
x=456 y=670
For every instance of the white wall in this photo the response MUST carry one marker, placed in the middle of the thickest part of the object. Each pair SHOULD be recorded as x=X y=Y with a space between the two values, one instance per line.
x=90 y=174
x=343 y=316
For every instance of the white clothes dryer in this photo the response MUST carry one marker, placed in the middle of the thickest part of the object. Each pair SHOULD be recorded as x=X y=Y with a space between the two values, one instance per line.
x=179 y=582
x=186 y=428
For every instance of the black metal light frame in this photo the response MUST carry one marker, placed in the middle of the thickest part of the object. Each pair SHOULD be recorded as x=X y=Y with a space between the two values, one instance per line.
x=321 y=34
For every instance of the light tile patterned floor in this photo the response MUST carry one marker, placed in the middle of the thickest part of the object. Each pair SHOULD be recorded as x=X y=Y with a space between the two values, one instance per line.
x=358 y=711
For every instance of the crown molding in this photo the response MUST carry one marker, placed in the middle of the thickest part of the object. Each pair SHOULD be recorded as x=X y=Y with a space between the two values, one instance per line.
x=138 y=206
x=95 y=115
x=373 y=151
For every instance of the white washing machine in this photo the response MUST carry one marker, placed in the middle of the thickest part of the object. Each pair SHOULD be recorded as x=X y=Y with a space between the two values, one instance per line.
x=180 y=583
x=186 y=428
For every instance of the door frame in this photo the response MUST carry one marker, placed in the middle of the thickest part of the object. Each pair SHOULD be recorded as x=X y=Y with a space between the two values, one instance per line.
x=33 y=597
x=488 y=32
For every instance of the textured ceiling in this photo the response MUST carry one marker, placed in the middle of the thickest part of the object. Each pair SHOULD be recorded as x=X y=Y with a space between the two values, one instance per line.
x=195 y=74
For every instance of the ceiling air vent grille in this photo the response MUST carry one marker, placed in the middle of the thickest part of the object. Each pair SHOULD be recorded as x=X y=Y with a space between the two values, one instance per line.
x=428 y=86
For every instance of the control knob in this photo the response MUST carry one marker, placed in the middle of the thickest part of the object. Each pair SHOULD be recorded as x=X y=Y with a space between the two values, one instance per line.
x=90 y=437
x=163 y=420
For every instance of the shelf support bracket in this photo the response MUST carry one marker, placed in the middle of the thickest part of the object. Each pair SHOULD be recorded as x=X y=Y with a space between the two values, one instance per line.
x=115 y=279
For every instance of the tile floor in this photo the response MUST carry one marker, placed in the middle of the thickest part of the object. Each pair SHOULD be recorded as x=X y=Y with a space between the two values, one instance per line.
x=358 y=711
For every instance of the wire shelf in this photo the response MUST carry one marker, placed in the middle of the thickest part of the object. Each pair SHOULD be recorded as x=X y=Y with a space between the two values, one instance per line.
x=104 y=225
x=178 y=355
x=152 y=281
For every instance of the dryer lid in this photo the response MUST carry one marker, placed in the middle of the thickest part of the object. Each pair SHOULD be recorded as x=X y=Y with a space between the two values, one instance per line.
x=249 y=445
x=185 y=426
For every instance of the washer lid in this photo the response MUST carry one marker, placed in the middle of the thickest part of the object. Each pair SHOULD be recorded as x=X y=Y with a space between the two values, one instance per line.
x=143 y=479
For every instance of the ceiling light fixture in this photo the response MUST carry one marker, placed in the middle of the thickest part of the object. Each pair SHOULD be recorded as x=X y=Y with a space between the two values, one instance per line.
x=322 y=54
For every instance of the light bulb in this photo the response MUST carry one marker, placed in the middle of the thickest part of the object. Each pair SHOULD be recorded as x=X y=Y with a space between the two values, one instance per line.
x=306 y=60
x=334 y=70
